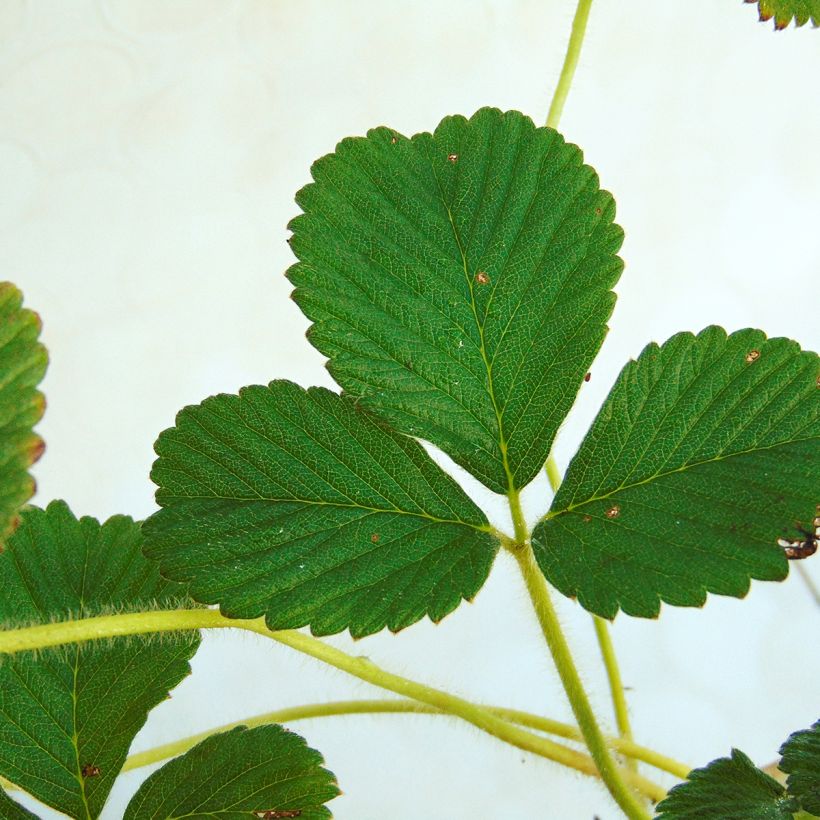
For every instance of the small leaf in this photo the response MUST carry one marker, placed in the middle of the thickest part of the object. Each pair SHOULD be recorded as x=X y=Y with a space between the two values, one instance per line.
x=460 y=283
x=801 y=761
x=729 y=789
x=784 y=11
x=705 y=453
x=23 y=363
x=300 y=506
x=11 y=810
x=267 y=772
x=68 y=715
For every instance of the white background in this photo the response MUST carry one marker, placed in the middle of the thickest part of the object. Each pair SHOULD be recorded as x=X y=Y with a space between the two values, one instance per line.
x=149 y=155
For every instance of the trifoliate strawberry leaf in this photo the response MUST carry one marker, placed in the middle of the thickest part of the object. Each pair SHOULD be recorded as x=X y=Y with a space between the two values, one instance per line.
x=801 y=761
x=300 y=506
x=730 y=789
x=11 y=810
x=784 y=11
x=705 y=453
x=460 y=283
x=267 y=772
x=23 y=363
x=68 y=715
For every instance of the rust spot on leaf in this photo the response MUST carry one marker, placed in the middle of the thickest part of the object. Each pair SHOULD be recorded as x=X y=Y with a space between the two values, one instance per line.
x=482 y=278
x=35 y=449
x=452 y=158
x=375 y=538
x=598 y=211
x=752 y=356
x=613 y=512
x=89 y=770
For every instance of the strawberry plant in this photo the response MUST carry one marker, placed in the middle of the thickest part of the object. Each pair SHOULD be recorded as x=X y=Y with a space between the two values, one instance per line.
x=459 y=283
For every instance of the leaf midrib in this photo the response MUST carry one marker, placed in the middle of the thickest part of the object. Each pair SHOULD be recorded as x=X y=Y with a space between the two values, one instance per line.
x=657 y=476
x=167 y=497
x=502 y=442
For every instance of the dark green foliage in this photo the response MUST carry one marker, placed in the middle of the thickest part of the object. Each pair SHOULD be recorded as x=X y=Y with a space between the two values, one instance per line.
x=68 y=715
x=236 y=775
x=706 y=451
x=801 y=761
x=300 y=506
x=728 y=789
x=459 y=282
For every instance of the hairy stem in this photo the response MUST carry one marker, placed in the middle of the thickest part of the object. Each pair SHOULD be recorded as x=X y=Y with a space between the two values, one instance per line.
x=358 y=707
x=613 y=672
x=111 y=626
x=611 y=774
x=616 y=686
x=576 y=39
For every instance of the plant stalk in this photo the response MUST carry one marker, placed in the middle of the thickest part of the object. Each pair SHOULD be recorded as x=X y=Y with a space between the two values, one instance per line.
x=359 y=707
x=612 y=776
x=576 y=39
x=607 y=648
x=111 y=626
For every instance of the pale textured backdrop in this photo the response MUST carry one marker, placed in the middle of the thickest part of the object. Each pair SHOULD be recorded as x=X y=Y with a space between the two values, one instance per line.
x=149 y=154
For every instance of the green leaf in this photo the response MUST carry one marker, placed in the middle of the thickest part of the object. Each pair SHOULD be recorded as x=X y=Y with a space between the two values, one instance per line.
x=11 y=810
x=784 y=11
x=68 y=715
x=23 y=363
x=729 y=789
x=801 y=761
x=301 y=506
x=706 y=451
x=459 y=283
x=265 y=772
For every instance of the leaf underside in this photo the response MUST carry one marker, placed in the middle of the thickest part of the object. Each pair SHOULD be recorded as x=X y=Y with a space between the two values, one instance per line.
x=267 y=771
x=68 y=715
x=460 y=283
x=784 y=11
x=23 y=363
x=706 y=451
x=729 y=789
x=299 y=505
x=801 y=761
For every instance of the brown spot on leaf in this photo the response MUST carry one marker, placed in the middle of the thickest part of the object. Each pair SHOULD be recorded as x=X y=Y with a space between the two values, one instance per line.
x=587 y=519
x=613 y=512
x=375 y=538
x=482 y=278
x=452 y=158
x=36 y=449
x=587 y=377
x=89 y=770
x=752 y=356
x=598 y=211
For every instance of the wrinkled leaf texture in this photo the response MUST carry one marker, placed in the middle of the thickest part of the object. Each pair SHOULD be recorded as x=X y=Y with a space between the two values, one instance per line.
x=68 y=715
x=300 y=506
x=460 y=282
x=706 y=451
x=239 y=774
